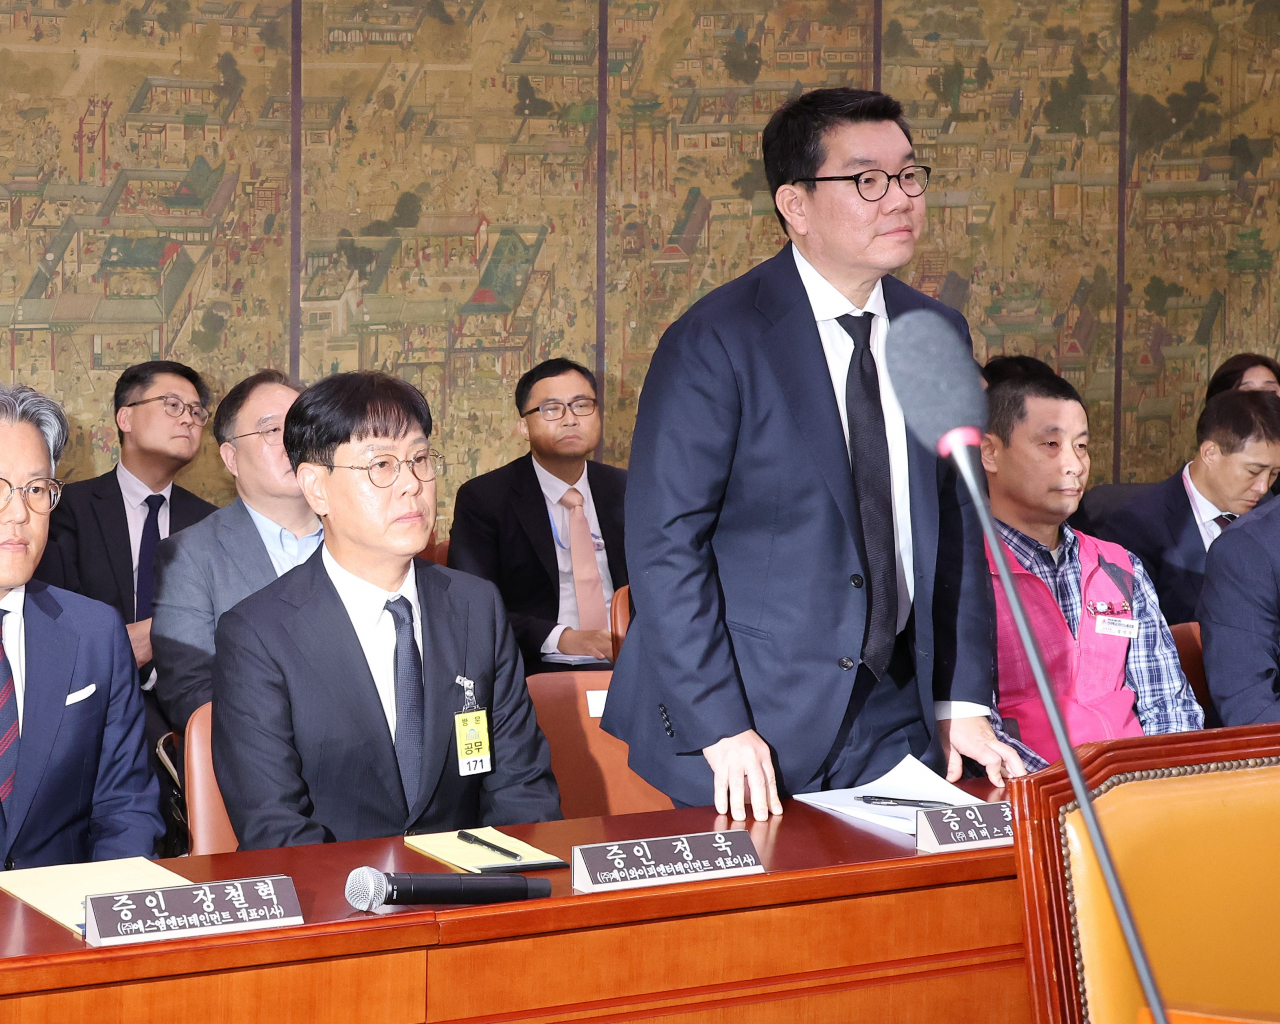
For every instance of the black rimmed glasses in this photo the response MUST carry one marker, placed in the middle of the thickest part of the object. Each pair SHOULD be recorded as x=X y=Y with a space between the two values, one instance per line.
x=40 y=495
x=175 y=407
x=874 y=185
x=555 y=409
x=384 y=470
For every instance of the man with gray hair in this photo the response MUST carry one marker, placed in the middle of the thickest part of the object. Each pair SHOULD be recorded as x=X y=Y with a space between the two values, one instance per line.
x=74 y=780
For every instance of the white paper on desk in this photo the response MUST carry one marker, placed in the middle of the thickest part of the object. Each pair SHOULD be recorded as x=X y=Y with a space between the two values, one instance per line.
x=59 y=891
x=909 y=779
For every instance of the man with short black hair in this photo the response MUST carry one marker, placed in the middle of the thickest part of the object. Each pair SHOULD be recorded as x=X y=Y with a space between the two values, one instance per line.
x=810 y=593
x=517 y=525
x=1107 y=650
x=104 y=533
x=212 y=566
x=1171 y=525
x=343 y=689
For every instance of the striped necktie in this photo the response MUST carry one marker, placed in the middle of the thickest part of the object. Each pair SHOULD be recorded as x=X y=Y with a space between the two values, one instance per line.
x=8 y=725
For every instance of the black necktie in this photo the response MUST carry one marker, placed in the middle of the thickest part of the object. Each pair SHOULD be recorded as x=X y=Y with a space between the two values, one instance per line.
x=1226 y=519
x=409 y=699
x=146 y=558
x=869 y=453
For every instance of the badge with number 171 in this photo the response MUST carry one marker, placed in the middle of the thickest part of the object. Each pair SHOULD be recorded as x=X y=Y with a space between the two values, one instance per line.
x=472 y=729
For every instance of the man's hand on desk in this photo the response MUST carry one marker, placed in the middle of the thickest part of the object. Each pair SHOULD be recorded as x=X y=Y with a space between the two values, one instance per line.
x=743 y=764
x=974 y=738
x=590 y=643
x=140 y=640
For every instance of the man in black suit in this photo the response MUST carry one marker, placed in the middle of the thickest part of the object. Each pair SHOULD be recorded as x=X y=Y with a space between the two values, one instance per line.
x=103 y=533
x=1171 y=526
x=342 y=690
x=811 y=590
x=513 y=528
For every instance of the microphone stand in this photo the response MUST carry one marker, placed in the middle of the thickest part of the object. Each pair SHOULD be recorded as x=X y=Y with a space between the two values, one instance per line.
x=960 y=445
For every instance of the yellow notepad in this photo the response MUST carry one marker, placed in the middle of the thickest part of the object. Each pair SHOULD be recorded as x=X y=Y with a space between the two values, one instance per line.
x=448 y=848
x=59 y=891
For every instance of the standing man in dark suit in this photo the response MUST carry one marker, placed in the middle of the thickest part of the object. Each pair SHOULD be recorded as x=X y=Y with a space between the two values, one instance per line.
x=810 y=584
x=209 y=568
x=1171 y=526
x=343 y=689
x=515 y=526
x=74 y=780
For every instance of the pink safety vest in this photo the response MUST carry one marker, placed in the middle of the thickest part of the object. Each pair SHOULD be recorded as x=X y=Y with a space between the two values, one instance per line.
x=1086 y=671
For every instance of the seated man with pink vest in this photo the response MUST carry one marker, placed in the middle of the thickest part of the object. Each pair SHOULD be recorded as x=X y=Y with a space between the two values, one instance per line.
x=1093 y=608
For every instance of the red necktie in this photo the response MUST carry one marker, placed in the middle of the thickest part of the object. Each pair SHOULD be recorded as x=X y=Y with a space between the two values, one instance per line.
x=586 y=572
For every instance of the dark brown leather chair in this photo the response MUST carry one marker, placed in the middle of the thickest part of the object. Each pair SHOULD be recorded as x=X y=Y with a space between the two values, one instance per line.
x=210 y=828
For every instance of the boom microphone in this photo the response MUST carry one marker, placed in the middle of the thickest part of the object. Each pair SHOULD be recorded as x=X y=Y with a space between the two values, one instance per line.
x=938 y=386
x=368 y=888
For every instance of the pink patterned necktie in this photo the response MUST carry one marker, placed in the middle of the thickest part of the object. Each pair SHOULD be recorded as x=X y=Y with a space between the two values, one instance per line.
x=586 y=572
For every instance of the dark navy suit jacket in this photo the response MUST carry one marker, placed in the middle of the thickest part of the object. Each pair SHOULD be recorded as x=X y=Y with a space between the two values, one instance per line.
x=743 y=541
x=301 y=746
x=83 y=789
x=1160 y=528
x=1239 y=615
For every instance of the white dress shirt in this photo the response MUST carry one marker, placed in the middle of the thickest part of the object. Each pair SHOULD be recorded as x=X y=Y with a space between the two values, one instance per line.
x=366 y=605
x=15 y=643
x=285 y=549
x=553 y=489
x=1203 y=509
x=829 y=303
x=135 y=494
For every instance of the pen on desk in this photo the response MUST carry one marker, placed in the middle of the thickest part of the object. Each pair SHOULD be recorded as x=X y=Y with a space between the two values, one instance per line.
x=467 y=837
x=888 y=801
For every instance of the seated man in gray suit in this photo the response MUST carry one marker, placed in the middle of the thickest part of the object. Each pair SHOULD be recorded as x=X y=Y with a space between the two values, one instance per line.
x=207 y=568
x=368 y=693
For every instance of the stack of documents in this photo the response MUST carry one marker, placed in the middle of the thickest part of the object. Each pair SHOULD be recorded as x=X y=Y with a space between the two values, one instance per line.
x=59 y=891
x=908 y=780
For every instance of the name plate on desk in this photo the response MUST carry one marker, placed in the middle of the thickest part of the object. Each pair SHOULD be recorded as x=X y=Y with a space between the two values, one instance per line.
x=605 y=867
x=974 y=827
x=241 y=905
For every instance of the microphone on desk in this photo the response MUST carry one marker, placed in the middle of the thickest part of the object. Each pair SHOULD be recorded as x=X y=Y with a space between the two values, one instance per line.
x=368 y=888
x=938 y=385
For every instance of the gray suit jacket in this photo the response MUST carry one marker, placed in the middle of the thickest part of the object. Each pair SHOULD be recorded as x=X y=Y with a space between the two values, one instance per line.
x=201 y=572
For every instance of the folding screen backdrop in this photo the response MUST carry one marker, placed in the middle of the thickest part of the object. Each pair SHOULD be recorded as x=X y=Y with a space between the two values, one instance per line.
x=469 y=207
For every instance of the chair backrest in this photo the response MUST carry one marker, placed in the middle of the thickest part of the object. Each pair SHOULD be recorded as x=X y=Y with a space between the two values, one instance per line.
x=211 y=830
x=1192 y=821
x=1186 y=635
x=620 y=617
x=589 y=764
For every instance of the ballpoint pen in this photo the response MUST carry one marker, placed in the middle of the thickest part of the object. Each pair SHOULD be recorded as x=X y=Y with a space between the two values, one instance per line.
x=474 y=840
x=888 y=801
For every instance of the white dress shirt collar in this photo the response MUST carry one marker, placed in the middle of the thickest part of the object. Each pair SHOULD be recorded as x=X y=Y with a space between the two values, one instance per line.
x=134 y=491
x=365 y=602
x=553 y=488
x=826 y=299
x=1202 y=508
x=15 y=642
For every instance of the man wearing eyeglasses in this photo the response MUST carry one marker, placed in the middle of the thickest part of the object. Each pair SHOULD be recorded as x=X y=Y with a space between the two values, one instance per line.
x=74 y=780
x=547 y=529
x=104 y=532
x=368 y=693
x=811 y=591
x=208 y=568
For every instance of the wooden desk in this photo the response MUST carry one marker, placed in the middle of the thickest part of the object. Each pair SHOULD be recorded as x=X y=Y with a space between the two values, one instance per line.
x=848 y=924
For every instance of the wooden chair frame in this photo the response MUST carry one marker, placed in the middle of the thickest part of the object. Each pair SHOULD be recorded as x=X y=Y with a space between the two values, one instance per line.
x=1041 y=800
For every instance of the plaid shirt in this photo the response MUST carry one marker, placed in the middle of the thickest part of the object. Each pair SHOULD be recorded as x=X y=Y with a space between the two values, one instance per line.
x=1163 y=701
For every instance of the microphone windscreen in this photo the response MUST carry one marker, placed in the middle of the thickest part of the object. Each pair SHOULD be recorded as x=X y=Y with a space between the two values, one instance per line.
x=366 y=888
x=934 y=376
